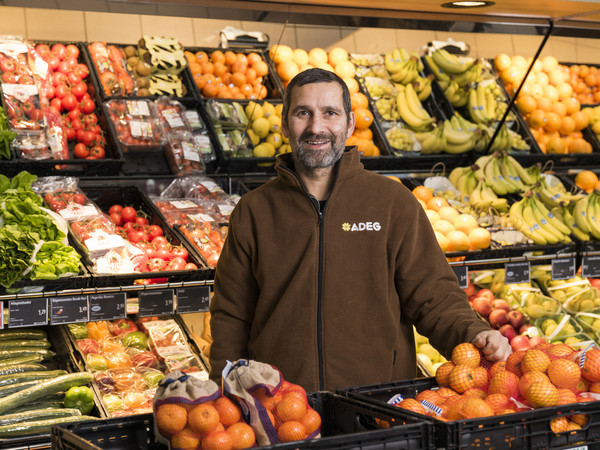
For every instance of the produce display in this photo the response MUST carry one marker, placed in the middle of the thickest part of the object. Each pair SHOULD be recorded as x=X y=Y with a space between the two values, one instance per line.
x=128 y=359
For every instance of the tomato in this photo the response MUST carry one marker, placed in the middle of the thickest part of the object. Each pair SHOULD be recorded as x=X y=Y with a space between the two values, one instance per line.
x=79 y=89
x=140 y=263
x=63 y=67
x=9 y=78
x=88 y=138
x=56 y=103
x=176 y=264
x=81 y=70
x=180 y=252
x=115 y=209
x=59 y=78
x=160 y=241
x=72 y=51
x=155 y=230
x=164 y=253
x=8 y=65
x=141 y=220
x=127 y=226
x=81 y=151
x=79 y=198
x=191 y=266
x=74 y=114
x=59 y=50
x=69 y=102
x=156 y=264
x=52 y=111
x=150 y=252
x=77 y=125
x=53 y=62
x=97 y=151
x=116 y=218
x=49 y=92
x=136 y=236
x=88 y=106
x=44 y=51
x=69 y=133
x=128 y=214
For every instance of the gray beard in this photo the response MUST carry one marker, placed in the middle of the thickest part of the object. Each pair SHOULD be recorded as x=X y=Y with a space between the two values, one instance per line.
x=313 y=159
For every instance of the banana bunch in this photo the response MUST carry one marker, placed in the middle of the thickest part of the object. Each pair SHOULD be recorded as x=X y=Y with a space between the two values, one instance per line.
x=565 y=213
x=481 y=104
x=446 y=138
x=403 y=67
x=411 y=110
x=423 y=86
x=449 y=63
x=586 y=213
x=554 y=195
x=400 y=139
x=483 y=197
x=503 y=141
x=503 y=173
x=387 y=109
x=456 y=94
x=474 y=74
x=464 y=179
x=534 y=220
x=517 y=141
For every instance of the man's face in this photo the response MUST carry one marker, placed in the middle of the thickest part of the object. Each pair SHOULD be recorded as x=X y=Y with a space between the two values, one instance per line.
x=317 y=125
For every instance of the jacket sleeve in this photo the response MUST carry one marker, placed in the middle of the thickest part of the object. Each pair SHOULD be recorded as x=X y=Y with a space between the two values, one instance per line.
x=430 y=296
x=235 y=293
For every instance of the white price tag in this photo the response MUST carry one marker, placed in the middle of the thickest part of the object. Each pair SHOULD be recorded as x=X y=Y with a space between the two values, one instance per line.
x=190 y=152
x=173 y=118
x=138 y=108
x=140 y=129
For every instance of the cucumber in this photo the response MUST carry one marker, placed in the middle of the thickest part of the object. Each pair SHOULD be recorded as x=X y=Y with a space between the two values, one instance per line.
x=16 y=387
x=21 y=367
x=34 y=357
x=13 y=378
x=43 y=389
x=39 y=405
x=38 y=414
x=38 y=426
x=19 y=343
x=32 y=333
x=46 y=354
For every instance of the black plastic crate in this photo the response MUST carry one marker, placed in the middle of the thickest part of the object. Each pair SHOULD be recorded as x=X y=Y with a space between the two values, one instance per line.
x=185 y=75
x=104 y=197
x=523 y=430
x=271 y=81
x=346 y=423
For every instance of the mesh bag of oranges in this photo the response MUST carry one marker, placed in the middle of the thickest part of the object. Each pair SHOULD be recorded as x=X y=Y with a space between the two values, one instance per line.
x=190 y=413
x=277 y=410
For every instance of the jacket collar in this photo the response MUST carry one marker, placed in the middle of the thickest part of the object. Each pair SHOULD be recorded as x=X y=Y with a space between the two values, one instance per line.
x=348 y=165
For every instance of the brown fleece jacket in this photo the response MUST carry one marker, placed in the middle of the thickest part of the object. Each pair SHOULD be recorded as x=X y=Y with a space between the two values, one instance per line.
x=330 y=301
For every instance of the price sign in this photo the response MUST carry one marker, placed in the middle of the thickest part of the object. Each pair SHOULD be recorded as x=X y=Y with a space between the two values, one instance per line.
x=193 y=299
x=563 y=268
x=108 y=306
x=28 y=312
x=156 y=302
x=517 y=272
x=462 y=273
x=69 y=309
x=590 y=266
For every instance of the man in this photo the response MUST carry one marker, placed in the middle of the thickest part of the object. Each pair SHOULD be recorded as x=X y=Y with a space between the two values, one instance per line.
x=327 y=267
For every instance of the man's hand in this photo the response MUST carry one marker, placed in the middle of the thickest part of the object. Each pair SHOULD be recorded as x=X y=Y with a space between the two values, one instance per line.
x=494 y=346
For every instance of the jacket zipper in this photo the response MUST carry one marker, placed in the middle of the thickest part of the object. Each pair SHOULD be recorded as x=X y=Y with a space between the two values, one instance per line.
x=315 y=203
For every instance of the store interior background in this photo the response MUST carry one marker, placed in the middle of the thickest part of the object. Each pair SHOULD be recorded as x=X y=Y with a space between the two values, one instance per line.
x=127 y=28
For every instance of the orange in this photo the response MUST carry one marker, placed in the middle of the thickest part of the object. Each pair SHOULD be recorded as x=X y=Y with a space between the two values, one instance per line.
x=242 y=436
x=559 y=108
x=280 y=53
x=337 y=55
x=553 y=122
x=443 y=226
x=502 y=61
x=291 y=407
x=519 y=62
x=300 y=57
x=564 y=90
x=311 y=421
x=238 y=79
x=345 y=69
x=242 y=58
x=261 y=68
x=359 y=100
x=208 y=67
x=555 y=145
x=250 y=74
x=363 y=133
x=572 y=105
x=458 y=241
x=581 y=119
x=579 y=145
x=230 y=57
x=448 y=213
x=253 y=58
x=291 y=431
x=203 y=418
x=201 y=57
x=544 y=103
x=217 y=56
x=268 y=401
x=526 y=104
x=185 y=439
x=317 y=57
x=229 y=412
x=171 y=418
x=209 y=90
x=436 y=203
x=364 y=118
x=365 y=147
x=352 y=85
x=586 y=180
x=423 y=193
x=567 y=125
x=219 y=69
x=536 y=119
x=217 y=440
x=287 y=70
x=551 y=93
x=195 y=68
x=465 y=223
x=239 y=66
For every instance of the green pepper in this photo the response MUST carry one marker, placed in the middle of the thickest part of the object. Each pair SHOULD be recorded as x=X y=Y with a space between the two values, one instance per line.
x=152 y=377
x=113 y=402
x=78 y=330
x=81 y=398
x=136 y=339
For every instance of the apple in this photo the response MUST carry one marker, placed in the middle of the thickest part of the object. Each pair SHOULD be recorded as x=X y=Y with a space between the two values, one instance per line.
x=516 y=319
x=520 y=342
x=498 y=317
x=500 y=304
x=535 y=340
x=470 y=290
x=594 y=282
x=507 y=331
x=482 y=305
x=523 y=328
x=485 y=293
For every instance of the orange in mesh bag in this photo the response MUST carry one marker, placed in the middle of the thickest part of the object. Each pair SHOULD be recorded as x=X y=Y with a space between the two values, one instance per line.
x=190 y=413
x=277 y=410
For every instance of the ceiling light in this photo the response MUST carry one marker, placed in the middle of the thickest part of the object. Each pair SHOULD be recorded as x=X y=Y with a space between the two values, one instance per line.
x=472 y=4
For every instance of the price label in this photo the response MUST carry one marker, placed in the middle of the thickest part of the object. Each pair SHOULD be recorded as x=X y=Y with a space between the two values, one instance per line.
x=193 y=299
x=563 y=268
x=590 y=266
x=69 y=309
x=462 y=273
x=517 y=272
x=108 y=306
x=156 y=303
x=28 y=312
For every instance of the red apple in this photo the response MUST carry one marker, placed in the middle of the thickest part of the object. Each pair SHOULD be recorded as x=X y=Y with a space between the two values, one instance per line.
x=470 y=290
x=482 y=305
x=594 y=282
x=520 y=342
x=485 y=293
x=523 y=328
x=535 y=340
x=516 y=319
x=501 y=304
x=507 y=331
x=498 y=317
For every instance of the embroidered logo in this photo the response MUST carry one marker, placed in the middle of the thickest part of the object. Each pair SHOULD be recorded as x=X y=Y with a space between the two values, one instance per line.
x=361 y=226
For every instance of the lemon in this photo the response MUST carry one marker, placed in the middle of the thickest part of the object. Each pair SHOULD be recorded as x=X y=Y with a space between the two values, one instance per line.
x=278 y=109
x=253 y=111
x=261 y=127
x=268 y=109
x=285 y=148
x=253 y=136
x=264 y=150
x=274 y=124
x=274 y=139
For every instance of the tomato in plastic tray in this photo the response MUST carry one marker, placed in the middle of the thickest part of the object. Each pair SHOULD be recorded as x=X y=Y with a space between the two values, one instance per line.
x=530 y=429
x=135 y=123
x=183 y=154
